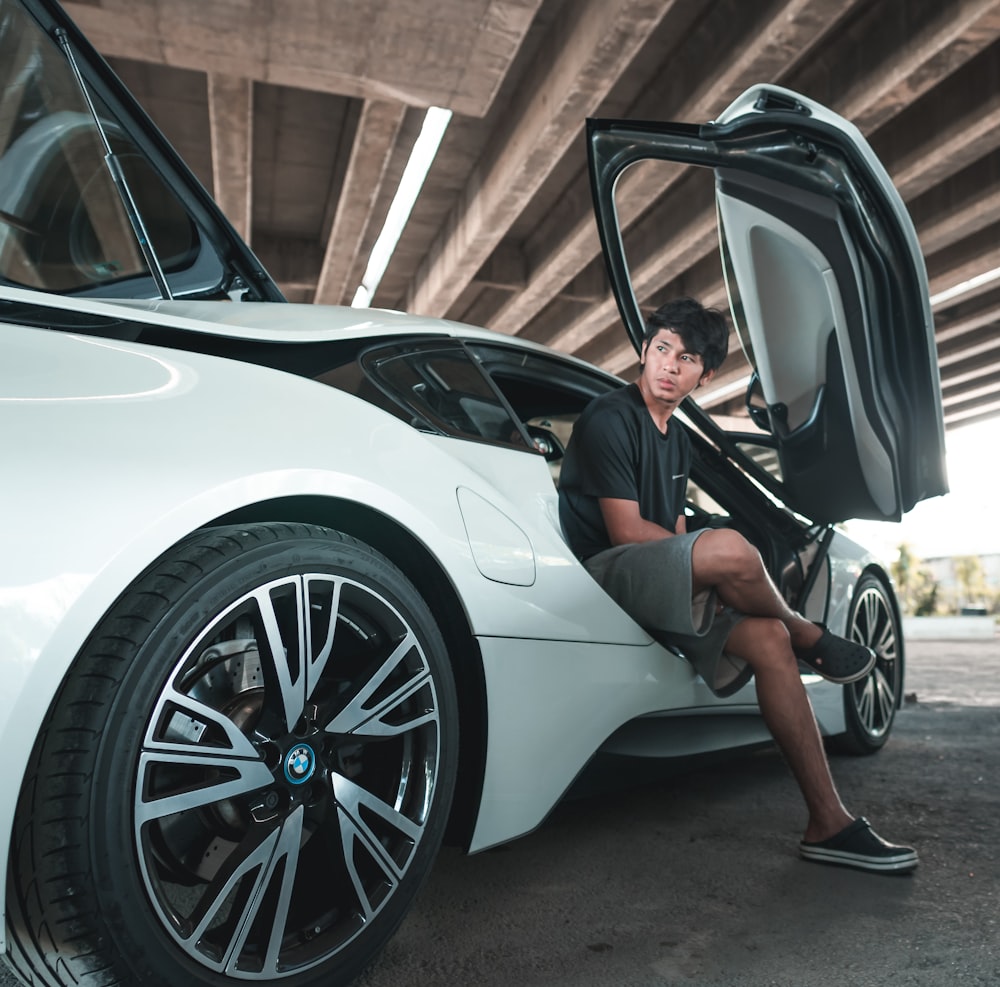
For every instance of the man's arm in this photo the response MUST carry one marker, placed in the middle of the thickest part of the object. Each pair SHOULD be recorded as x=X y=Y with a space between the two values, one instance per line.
x=626 y=525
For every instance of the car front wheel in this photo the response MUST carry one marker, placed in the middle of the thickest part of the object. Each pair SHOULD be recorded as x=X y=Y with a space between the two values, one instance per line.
x=245 y=776
x=870 y=704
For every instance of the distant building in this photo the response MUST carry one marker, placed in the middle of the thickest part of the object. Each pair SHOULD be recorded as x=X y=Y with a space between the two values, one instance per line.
x=944 y=573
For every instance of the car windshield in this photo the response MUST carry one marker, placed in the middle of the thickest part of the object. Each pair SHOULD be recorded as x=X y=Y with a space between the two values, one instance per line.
x=63 y=227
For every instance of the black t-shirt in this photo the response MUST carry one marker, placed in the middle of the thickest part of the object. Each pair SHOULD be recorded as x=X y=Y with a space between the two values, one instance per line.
x=617 y=451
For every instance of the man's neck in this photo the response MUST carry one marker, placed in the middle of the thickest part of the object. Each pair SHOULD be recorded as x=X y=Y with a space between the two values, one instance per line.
x=659 y=411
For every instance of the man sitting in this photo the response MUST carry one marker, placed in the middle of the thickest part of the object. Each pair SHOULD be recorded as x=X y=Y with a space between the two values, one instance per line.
x=621 y=502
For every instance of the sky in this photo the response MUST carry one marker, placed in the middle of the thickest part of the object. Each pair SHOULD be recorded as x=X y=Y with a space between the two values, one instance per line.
x=965 y=521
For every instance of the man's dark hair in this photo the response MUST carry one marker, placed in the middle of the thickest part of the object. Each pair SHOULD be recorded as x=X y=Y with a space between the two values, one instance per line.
x=703 y=330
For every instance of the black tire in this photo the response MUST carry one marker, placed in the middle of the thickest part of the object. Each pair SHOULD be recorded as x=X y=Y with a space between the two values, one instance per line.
x=870 y=704
x=245 y=775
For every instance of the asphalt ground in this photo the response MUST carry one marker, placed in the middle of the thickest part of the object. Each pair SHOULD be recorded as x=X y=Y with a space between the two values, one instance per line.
x=696 y=880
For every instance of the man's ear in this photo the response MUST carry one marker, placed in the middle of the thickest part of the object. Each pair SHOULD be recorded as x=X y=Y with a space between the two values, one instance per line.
x=706 y=377
x=642 y=353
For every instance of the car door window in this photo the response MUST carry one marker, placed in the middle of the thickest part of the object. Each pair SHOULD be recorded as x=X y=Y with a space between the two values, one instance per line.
x=442 y=388
x=545 y=393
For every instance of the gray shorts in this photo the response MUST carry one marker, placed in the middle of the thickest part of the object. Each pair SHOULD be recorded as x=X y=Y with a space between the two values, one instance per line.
x=651 y=582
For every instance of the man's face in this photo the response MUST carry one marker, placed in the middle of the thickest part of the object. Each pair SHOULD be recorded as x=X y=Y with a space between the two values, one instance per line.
x=669 y=371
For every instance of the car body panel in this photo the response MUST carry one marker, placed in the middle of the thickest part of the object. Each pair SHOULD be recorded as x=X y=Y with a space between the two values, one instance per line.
x=625 y=692
x=828 y=289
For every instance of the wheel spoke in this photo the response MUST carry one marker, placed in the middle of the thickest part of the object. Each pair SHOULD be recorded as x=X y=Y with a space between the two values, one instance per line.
x=361 y=719
x=881 y=629
x=180 y=724
x=885 y=697
x=872 y=616
x=283 y=647
x=255 y=863
x=865 y=701
x=322 y=593
x=357 y=836
x=285 y=854
x=885 y=646
x=249 y=776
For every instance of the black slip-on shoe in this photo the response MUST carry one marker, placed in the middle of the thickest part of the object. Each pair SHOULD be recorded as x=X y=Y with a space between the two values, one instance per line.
x=836 y=658
x=858 y=845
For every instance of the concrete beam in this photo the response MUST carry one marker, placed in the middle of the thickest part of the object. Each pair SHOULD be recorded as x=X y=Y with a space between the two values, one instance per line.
x=230 y=117
x=969 y=352
x=294 y=262
x=962 y=216
x=947 y=132
x=452 y=53
x=983 y=382
x=505 y=268
x=948 y=36
x=591 y=286
x=376 y=135
x=590 y=45
x=972 y=411
x=960 y=262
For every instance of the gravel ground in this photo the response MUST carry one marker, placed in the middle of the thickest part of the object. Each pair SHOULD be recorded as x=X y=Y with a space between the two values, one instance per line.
x=695 y=880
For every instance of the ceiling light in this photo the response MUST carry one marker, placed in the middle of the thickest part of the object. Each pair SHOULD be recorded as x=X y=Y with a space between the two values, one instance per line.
x=965 y=287
x=421 y=157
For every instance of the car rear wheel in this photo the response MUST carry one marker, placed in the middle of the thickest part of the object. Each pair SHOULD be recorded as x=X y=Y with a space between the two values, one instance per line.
x=870 y=704
x=245 y=776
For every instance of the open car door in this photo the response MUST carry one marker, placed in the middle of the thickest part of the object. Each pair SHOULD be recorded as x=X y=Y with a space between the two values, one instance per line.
x=827 y=289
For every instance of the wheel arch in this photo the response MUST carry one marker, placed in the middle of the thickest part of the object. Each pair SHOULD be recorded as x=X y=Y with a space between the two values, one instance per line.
x=419 y=565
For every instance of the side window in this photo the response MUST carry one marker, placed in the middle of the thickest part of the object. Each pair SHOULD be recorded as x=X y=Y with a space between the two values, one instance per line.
x=441 y=387
x=546 y=393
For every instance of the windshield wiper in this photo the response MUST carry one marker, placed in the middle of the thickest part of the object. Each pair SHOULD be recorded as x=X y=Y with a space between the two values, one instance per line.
x=118 y=176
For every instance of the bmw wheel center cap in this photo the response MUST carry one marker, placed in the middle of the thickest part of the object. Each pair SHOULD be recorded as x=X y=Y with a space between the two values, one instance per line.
x=300 y=763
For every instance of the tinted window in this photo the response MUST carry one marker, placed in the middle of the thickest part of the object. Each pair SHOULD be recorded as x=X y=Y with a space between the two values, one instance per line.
x=442 y=386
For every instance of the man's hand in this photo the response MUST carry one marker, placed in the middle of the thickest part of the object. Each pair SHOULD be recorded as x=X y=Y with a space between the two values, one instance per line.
x=681 y=525
x=626 y=525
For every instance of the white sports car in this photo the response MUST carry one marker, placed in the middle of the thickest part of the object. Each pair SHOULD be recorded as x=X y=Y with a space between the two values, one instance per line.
x=284 y=600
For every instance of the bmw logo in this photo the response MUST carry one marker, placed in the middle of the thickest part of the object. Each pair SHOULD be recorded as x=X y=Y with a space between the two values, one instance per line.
x=300 y=762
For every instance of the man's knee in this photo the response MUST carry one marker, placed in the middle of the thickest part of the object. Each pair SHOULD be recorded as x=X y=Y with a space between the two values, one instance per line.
x=727 y=554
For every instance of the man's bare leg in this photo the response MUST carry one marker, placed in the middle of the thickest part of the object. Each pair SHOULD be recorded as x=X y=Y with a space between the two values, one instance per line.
x=724 y=560
x=765 y=645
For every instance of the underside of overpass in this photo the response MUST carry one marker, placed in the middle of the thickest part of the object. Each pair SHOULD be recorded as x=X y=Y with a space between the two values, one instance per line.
x=299 y=116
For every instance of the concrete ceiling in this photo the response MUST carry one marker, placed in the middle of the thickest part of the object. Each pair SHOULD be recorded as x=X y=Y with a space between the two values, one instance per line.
x=299 y=116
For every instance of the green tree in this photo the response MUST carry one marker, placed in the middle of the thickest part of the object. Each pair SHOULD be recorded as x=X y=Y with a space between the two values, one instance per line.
x=925 y=601
x=971 y=578
x=916 y=587
x=904 y=572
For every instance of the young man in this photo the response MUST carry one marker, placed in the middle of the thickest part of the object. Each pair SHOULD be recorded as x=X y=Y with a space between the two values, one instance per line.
x=621 y=502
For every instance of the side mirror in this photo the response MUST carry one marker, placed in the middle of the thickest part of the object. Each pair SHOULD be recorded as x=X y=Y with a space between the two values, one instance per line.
x=544 y=440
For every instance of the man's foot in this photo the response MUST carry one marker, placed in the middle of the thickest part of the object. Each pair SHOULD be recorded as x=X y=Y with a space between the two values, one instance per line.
x=858 y=845
x=836 y=658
